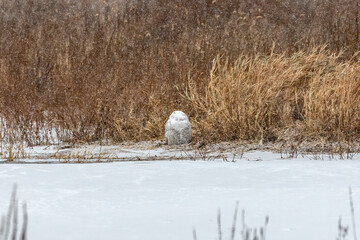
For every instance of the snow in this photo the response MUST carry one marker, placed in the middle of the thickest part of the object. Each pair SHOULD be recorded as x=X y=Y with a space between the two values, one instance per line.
x=178 y=129
x=166 y=199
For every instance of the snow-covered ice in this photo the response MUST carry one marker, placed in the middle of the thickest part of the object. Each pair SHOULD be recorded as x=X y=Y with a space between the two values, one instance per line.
x=162 y=200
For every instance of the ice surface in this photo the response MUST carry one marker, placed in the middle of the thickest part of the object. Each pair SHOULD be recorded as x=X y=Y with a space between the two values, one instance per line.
x=158 y=200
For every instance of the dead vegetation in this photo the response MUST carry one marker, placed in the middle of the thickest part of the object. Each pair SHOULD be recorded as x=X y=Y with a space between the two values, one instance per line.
x=260 y=233
x=246 y=232
x=308 y=96
x=9 y=227
x=243 y=70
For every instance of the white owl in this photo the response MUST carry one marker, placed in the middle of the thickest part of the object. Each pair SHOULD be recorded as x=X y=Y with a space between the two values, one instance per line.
x=178 y=129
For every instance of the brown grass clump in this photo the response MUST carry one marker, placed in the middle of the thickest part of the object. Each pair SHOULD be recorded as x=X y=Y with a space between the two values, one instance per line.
x=309 y=96
x=114 y=70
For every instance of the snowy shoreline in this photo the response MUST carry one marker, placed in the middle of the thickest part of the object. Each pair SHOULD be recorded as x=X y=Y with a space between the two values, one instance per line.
x=159 y=151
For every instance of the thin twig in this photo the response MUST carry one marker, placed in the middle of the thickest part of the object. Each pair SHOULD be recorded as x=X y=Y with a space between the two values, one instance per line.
x=219 y=224
x=25 y=222
x=352 y=213
x=15 y=220
x=233 y=229
x=194 y=234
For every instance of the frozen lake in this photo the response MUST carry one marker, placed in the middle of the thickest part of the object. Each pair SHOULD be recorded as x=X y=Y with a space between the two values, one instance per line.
x=162 y=200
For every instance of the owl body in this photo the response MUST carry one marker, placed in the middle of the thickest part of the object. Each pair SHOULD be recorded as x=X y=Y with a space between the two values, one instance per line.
x=178 y=129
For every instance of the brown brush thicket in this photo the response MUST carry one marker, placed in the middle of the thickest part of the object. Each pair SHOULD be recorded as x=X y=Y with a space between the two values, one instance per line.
x=250 y=69
x=309 y=96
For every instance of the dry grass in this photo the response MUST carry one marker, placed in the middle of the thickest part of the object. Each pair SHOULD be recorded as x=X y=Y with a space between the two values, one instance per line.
x=114 y=70
x=308 y=96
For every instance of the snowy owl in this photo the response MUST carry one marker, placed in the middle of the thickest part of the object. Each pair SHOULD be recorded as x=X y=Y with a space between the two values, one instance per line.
x=178 y=129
